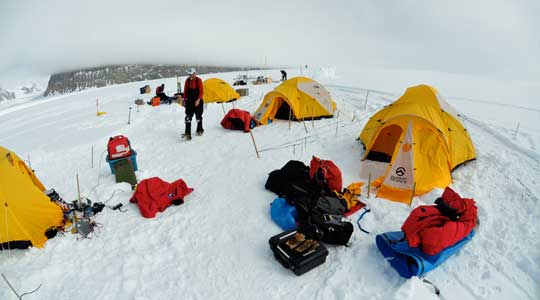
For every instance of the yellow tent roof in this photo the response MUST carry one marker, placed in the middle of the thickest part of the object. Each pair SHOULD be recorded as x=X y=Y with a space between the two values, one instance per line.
x=423 y=135
x=304 y=98
x=217 y=90
x=26 y=212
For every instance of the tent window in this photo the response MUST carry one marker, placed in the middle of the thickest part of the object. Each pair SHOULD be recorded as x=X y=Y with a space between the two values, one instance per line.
x=283 y=110
x=383 y=148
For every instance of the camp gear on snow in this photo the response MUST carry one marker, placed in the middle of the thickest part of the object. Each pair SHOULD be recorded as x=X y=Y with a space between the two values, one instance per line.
x=296 y=252
x=283 y=213
x=422 y=139
x=219 y=91
x=411 y=261
x=428 y=228
x=325 y=173
x=237 y=119
x=27 y=213
x=118 y=147
x=366 y=210
x=293 y=172
x=334 y=227
x=242 y=92
x=145 y=89
x=132 y=158
x=124 y=172
x=155 y=101
x=139 y=101
x=154 y=195
x=298 y=98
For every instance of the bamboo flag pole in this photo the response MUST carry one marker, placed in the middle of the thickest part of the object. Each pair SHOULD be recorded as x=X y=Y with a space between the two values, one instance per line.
x=290 y=114
x=129 y=116
x=412 y=195
x=78 y=191
x=97 y=107
x=365 y=103
x=254 y=144
x=92 y=157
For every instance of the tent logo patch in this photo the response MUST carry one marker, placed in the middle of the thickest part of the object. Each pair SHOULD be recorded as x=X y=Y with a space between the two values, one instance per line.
x=400 y=171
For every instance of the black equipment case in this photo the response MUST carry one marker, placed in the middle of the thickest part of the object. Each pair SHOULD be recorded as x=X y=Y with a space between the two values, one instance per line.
x=298 y=262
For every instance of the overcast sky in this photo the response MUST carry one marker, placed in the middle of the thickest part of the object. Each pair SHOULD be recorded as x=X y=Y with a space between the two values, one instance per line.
x=489 y=38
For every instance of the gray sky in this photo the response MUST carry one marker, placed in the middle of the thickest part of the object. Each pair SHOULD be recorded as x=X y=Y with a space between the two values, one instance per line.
x=490 y=38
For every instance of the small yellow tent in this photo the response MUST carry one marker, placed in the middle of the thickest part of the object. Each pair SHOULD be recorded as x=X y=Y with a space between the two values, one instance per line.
x=421 y=138
x=26 y=213
x=298 y=98
x=217 y=90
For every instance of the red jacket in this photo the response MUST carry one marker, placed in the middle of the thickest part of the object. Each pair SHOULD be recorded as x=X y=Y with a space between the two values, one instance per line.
x=191 y=85
x=154 y=195
x=159 y=89
x=427 y=228
x=236 y=118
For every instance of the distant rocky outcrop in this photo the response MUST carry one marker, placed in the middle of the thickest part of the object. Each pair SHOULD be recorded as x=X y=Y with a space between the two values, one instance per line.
x=6 y=95
x=68 y=82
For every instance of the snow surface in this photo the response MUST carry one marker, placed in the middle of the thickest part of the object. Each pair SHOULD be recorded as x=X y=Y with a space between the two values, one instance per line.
x=215 y=246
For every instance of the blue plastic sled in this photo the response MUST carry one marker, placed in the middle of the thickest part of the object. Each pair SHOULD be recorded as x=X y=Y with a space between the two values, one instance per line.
x=283 y=214
x=409 y=261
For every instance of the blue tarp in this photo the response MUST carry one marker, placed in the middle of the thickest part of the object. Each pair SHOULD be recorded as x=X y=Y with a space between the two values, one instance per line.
x=409 y=261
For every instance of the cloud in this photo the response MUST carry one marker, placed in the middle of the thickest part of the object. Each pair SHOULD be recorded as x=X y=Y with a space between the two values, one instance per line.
x=488 y=38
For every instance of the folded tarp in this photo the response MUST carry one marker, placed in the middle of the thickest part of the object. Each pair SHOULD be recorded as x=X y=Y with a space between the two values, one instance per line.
x=409 y=261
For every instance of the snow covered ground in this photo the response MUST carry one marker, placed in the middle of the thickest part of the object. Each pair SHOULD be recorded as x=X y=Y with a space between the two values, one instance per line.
x=215 y=246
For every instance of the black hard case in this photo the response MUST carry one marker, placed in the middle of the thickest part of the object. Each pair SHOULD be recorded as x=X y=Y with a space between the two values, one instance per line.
x=298 y=263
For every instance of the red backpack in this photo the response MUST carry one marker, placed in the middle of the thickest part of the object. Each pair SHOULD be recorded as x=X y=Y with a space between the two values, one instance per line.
x=118 y=147
x=325 y=173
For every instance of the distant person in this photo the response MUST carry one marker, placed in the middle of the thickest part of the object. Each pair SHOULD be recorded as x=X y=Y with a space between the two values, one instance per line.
x=160 y=92
x=193 y=102
x=283 y=75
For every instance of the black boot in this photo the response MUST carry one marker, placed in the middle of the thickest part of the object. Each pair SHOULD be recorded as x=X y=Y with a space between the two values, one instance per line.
x=200 y=129
x=187 y=133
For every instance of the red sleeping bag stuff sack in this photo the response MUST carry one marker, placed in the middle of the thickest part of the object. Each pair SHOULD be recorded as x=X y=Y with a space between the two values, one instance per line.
x=118 y=147
x=154 y=195
x=325 y=173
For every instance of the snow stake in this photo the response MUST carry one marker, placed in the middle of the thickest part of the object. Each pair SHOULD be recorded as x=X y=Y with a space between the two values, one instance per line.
x=254 y=145
x=129 y=116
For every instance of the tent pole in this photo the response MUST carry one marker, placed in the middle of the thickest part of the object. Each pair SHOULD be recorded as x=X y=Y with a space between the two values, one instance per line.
x=92 y=157
x=312 y=118
x=223 y=108
x=29 y=164
x=254 y=144
x=305 y=127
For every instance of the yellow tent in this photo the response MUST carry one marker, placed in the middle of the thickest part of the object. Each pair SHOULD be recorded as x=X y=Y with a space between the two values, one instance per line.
x=26 y=213
x=217 y=90
x=298 y=98
x=421 y=138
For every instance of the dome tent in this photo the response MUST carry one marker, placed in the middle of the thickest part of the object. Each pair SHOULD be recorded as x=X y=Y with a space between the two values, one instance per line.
x=217 y=90
x=422 y=139
x=27 y=213
x=298 y=98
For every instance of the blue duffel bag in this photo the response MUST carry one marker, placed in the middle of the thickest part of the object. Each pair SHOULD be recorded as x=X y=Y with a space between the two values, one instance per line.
x=283 y=214
x=409 y=261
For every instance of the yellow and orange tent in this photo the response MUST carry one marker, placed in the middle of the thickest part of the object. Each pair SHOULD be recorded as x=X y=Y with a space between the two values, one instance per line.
x=421 y=137
x=26 y=213
x=298 y=98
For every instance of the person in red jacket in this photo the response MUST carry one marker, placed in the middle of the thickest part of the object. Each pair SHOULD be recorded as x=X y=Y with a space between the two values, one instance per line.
x=160 y=92
x=193 y=102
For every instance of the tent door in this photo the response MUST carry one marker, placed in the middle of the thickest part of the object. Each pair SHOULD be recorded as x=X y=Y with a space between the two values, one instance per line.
x=384 y=145
x=284 y=110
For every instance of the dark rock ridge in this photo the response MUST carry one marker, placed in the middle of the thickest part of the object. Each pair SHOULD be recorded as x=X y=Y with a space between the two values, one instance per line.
x=73 y=81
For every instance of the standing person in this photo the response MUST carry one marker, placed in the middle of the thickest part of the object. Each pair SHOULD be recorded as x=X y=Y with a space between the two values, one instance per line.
x=283 y=75
x=193 y=93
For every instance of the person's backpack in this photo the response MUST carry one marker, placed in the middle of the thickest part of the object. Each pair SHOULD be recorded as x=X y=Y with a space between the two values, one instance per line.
x=118 y=147
x=325 y=173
